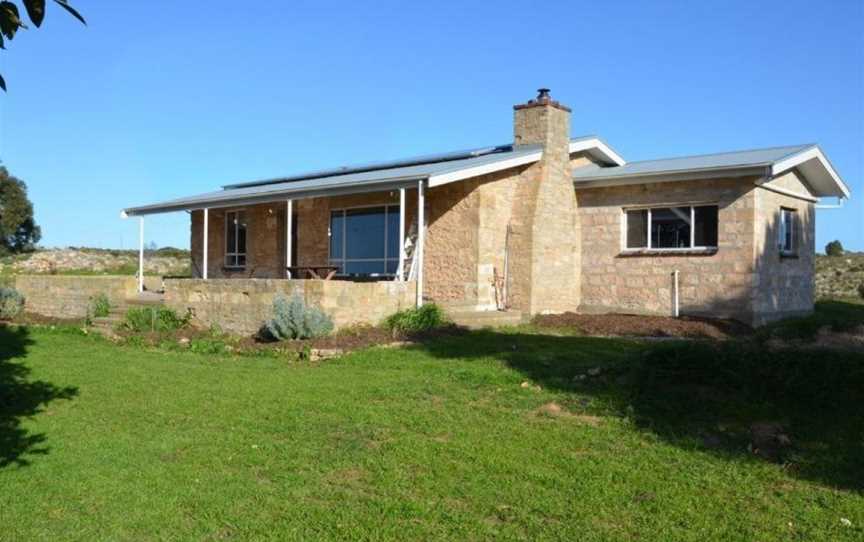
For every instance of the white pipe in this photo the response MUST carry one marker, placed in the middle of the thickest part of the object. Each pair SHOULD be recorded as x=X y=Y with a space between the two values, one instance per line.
x=289 y=225
x=400 y=270
x=421 y=240
x=205 y=247
x=141 y=254
x=675 y=298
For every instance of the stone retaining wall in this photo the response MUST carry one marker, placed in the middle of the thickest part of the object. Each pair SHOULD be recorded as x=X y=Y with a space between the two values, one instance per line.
x=63 y=296
x=243 y=305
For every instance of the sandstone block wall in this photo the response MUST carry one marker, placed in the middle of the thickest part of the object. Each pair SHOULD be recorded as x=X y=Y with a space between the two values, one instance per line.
x=718 y=284
x=62 y=296
x=784 y=286
x=243 y=305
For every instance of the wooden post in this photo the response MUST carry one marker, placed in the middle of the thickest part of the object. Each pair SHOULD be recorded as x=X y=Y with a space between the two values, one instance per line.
x=205 y=247
x=289 y=225
x=421 y=239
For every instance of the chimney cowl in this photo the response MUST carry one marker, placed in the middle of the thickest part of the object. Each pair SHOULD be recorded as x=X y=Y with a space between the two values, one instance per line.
x=543 y=98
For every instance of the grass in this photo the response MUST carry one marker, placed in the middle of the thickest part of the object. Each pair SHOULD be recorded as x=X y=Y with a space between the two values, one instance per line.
x=439 y=441
x=841 y=315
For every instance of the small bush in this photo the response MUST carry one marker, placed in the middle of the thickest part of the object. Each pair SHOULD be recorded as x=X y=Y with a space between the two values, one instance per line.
x=292 y=319
x=100 y=306
x=11 y=303
x=154 y=319
x=834 y=248
x=861 y=290
x=418 y=320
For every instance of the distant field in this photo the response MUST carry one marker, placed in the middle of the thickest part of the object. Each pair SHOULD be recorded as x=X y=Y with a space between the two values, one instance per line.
x=839 y=277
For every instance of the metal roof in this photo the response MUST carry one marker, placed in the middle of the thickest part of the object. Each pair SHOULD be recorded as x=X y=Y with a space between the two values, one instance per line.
x=809 y=160
x=688 y=164
x=344 y=181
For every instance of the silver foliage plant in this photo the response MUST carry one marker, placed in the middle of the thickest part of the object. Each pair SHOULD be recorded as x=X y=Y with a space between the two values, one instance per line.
x=292 y=319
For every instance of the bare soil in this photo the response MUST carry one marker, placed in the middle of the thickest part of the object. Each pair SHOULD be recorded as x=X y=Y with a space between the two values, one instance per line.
x=630 y=325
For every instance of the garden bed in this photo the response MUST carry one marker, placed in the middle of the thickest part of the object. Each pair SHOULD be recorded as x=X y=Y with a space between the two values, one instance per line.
x=630 y=325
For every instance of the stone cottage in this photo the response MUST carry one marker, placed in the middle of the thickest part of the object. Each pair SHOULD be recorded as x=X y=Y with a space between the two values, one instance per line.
x=547 y=223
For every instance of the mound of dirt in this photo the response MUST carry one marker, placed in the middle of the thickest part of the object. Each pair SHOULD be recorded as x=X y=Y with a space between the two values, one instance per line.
x=629 y=325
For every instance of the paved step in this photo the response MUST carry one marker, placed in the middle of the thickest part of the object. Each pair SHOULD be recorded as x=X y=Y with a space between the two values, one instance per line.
x=480 y=319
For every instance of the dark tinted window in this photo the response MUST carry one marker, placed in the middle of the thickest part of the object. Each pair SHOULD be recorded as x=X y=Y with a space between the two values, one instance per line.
x=706 y=226
x=637 y=229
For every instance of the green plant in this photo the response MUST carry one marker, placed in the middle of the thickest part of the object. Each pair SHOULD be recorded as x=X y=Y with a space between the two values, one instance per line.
x=834 y=248
x=11 y=303
x=146 y=319
x=417 y=320
x=292 y=319
x=100 y=306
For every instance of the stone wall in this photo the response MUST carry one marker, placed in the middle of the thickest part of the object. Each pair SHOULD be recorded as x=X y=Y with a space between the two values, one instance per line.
x=66 y=296
x=243 y=305
x=717 y=284
x=784 y=285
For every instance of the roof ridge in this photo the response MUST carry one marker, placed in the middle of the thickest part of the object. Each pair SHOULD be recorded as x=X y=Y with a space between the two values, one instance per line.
x=799 y=148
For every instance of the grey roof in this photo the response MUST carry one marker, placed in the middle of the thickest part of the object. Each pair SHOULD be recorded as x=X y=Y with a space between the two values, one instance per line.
x=370 y=178
x=687 y=164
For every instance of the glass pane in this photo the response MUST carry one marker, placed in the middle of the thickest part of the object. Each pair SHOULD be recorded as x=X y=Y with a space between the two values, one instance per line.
x=230 y=261
x=706 y=226
x=637 y=229
x=670 y=228
x=241 y=260
x=364 y=233
x=392 y=266
x=393 y=231
x=241 y=233
x=337 y=222
x=231 y=232
x=364 y=268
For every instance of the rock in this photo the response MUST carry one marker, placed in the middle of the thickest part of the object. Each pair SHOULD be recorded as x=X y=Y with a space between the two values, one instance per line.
x=845 y=522
x=183 y=341
x=525 y=384
x=594 y=371
x=318 y=354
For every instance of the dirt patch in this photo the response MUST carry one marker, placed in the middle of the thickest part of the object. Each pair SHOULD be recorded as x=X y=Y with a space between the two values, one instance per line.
x=554 y=410
x=630 y=325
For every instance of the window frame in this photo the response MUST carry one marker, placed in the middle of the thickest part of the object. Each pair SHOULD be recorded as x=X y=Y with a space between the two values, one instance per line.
x=781 y=230
x=648 y=230
x=343 y=261
x=236 y=255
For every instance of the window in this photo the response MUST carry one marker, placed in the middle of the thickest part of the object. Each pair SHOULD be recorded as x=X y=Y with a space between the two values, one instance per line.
x=786 y=237
x=365 y=240
x=235 y=239
x=672 y=228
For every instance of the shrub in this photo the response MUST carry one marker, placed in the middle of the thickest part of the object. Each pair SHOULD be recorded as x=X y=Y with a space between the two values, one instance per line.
x=154 y=319
x=292 y=319
x=100 y=306
x=861 y=290
x=11 y=303
x=834 y=248
x=417 y=320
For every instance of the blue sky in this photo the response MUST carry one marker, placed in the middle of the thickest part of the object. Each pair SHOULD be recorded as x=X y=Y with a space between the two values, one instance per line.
x=160 y=99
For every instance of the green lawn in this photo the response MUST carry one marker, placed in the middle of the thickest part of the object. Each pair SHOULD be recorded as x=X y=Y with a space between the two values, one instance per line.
x=440 y=441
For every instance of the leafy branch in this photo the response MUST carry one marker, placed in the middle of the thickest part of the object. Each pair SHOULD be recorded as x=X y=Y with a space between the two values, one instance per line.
x=10 y=19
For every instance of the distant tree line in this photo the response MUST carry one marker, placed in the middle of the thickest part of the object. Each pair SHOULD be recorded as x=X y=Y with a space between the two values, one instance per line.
x=18 y=230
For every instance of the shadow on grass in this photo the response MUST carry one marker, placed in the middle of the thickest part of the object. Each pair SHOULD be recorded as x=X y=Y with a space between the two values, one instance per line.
x=21 y=398
x=714 y=397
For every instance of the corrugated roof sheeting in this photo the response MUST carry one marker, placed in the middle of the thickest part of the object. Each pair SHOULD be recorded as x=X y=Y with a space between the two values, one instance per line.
x=737 y=159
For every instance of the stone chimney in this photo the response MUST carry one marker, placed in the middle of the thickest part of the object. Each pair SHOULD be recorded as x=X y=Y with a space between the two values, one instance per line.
x=546 y=273
x=542 y=121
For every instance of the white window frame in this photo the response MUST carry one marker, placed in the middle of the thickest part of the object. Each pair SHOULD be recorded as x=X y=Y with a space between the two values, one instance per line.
x=343 y=261
x=649 y=245
x=235 y=254
x=781 y=231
